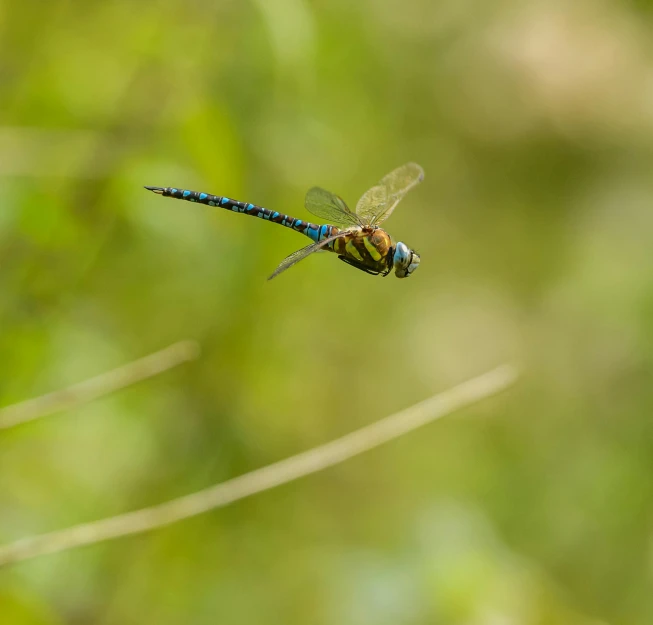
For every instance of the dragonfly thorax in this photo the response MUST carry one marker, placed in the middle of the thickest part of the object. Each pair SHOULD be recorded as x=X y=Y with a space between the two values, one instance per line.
x=404 y=260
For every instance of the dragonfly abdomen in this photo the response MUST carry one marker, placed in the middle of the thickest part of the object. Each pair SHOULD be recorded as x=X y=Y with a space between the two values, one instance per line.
x=313 y=231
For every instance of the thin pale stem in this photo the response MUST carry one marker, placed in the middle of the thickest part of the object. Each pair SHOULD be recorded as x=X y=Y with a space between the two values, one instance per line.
x=268 y=477
x=103 y=384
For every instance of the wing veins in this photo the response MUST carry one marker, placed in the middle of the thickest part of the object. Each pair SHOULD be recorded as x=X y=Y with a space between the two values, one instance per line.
x=302 y=253
x=330 y=206
x=378 y=202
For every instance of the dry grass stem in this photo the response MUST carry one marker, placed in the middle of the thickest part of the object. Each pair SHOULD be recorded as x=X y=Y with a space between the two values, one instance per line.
x=268 y=477
x=103 y=384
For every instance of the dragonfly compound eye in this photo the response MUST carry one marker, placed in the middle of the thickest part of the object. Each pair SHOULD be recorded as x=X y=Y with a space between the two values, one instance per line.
x=405 y=261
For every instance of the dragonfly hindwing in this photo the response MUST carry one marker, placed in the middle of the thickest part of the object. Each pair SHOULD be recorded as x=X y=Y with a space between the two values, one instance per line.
x=295 y=257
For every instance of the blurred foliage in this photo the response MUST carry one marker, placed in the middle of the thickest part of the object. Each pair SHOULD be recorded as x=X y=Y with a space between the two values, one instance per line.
x=534 y=123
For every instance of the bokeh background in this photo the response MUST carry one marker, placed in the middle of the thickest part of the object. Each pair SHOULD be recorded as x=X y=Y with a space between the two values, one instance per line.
x=534 y=123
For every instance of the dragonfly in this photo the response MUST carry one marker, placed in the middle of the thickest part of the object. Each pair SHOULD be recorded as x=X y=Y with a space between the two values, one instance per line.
x=355 y=236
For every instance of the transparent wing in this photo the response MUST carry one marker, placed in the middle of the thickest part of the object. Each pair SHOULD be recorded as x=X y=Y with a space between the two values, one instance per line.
x=295 y=257
x=329 y=206
x=377 y=203
x=372 y=203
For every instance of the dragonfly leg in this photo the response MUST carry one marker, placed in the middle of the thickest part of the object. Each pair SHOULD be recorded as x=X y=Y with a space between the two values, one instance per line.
x=390 y=262
x=358 y=265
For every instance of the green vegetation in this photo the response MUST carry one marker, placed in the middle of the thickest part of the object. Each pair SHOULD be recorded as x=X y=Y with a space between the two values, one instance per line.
x=534 y=123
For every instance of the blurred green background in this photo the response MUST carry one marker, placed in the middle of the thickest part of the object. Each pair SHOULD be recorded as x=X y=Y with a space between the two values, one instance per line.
x=534 y=123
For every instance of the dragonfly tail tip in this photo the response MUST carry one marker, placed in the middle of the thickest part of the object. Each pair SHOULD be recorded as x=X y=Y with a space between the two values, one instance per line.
x=158 y=190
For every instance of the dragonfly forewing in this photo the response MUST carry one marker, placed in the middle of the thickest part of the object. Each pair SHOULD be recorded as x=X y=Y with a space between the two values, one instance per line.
x=372 y=203
x=377 y=204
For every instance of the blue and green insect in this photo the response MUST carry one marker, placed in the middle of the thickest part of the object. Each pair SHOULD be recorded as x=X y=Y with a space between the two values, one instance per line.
x=356 y=236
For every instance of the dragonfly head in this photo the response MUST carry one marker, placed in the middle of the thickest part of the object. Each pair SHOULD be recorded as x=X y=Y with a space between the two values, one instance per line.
x=404 y=260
